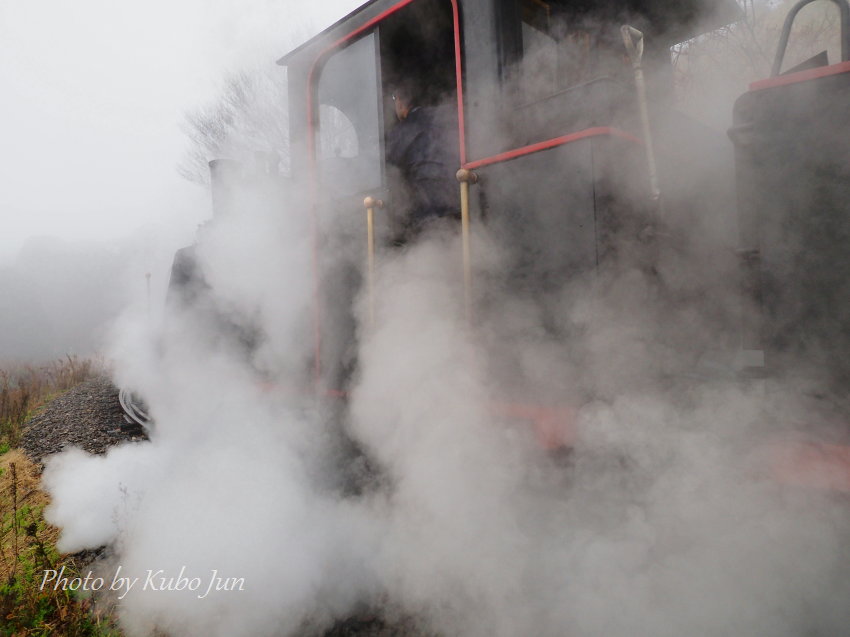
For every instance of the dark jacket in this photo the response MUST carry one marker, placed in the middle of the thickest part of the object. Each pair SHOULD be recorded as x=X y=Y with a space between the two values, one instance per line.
x=424 y=146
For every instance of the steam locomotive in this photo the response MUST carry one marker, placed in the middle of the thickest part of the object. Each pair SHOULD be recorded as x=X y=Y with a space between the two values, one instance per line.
x=572 y=153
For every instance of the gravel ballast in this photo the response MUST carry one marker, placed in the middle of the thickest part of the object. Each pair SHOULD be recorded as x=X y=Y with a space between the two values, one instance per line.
x=88 y=416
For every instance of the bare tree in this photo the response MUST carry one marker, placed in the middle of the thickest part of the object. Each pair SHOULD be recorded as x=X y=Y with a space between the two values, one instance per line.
x=712 y=69
x=249 y=115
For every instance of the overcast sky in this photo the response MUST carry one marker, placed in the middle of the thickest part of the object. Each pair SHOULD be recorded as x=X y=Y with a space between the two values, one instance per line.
x=93 y=92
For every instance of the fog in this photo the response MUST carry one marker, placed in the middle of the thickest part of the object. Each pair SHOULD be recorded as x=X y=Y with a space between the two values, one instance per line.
x=94 y=96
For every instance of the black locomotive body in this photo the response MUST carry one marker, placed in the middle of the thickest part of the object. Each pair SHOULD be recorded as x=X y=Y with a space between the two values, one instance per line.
x=581 y=172
x=793 y=168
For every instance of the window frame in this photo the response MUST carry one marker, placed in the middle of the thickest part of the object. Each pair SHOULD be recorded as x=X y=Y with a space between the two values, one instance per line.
x=314 y=71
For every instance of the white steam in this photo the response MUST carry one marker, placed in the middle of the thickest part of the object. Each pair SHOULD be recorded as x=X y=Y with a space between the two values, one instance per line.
x=234 y=477
x=656 y=523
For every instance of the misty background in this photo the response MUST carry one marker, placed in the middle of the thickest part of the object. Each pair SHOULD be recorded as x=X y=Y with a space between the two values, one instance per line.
x=92 y=122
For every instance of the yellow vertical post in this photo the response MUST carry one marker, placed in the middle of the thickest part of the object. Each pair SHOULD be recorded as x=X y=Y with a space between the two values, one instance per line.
x=466 y=177
x=633 y=41
x=371 y=203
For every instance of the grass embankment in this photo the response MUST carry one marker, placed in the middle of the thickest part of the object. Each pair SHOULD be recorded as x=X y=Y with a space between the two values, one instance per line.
x=24 y=389
x=27 y=542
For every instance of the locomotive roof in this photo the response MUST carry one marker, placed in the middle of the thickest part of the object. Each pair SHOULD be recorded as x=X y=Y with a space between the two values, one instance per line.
x=679 y=20
x=285 y=59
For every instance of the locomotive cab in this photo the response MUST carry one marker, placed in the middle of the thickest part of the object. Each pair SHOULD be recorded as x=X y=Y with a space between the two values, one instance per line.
x=546 y=119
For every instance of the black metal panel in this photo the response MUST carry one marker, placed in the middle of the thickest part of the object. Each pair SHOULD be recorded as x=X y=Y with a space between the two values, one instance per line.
x=564 y=211
x=793 y=169
x=542 y=205
x=600 y=102
x=670 y=21
x=483 y=68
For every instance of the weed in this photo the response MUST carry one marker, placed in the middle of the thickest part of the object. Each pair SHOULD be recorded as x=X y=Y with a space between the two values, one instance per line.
x=27 y=549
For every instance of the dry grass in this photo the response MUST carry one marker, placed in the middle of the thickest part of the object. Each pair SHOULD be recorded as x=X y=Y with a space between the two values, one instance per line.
x=25 y=388
x=19 y=491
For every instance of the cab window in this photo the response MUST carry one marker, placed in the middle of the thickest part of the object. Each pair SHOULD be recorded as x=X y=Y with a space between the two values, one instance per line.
x=350 y=130
x=561 y=49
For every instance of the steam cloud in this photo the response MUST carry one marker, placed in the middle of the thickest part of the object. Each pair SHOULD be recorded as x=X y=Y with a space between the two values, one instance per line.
x=656 y=522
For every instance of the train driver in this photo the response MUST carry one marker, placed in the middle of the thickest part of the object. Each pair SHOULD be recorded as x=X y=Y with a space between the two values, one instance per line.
x=423 y=146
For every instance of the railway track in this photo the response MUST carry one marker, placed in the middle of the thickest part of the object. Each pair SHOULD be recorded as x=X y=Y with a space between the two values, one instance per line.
x=135 y=410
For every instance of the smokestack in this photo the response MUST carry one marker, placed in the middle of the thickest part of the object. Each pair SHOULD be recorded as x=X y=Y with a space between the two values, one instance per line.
x=225 y=177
